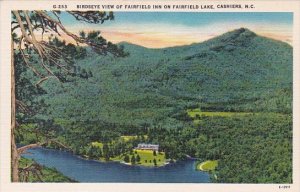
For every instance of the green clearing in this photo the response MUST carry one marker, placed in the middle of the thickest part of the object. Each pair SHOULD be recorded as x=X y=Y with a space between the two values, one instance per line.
x=97 y=144
x=131 y=137
x=197 y=112
x=128 y=137
x=146 y=158
x=209 y=165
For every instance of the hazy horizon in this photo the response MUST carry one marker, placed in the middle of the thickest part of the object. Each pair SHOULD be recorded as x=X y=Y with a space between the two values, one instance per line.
x=169 y=29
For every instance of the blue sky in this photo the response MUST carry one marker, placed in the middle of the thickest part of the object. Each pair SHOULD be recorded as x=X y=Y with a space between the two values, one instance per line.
x=165 y=29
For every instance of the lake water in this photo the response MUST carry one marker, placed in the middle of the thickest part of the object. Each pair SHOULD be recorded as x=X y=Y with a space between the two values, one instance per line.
x=83 y=170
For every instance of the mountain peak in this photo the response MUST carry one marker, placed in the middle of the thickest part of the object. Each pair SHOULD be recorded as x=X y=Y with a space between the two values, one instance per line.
x=237 y=35
x=231 y=40
x=243 y=30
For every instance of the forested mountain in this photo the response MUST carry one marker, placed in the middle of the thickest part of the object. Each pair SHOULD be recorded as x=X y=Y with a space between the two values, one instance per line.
x=148 y=93
x=237 y=71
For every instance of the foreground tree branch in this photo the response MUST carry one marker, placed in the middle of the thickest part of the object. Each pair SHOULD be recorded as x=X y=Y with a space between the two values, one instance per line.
x=34 y=169
x=30 y=146
x=47 y=60
x=23 y=149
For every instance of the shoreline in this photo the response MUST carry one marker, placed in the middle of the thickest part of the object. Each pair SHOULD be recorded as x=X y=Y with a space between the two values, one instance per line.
x=213 y=164
x=140 y=165
x=128 y=164
x=201 y=167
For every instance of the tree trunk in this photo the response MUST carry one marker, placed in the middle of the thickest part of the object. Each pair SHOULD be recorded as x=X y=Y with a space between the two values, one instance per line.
x=14 y=152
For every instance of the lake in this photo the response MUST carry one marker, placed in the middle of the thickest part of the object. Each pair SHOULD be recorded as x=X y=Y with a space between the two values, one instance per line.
x=87 y=171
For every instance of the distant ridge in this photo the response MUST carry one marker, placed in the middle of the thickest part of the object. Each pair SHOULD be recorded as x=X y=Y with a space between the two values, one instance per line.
x=234 y=36
x=236 y=71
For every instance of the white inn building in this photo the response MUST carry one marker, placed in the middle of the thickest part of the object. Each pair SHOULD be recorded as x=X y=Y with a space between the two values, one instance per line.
x=144 y=146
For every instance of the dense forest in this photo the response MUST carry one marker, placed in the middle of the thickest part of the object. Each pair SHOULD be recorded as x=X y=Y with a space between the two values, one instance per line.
x=148 y=94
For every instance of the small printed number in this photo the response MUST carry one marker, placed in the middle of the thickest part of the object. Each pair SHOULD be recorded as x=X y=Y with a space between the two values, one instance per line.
x=60 y=6
x=284 y=186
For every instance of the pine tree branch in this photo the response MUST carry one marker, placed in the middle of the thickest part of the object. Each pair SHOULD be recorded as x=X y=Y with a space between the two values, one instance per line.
x=101 y=48
x=23 y=149
x=22 y=105
x=30 y=146
x=32 y=40
x=26 y=60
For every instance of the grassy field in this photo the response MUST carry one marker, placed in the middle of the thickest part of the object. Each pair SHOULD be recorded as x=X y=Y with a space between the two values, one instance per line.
x=124 y=137
x=128 y=137
x=146 y=158
x=131 y=137
x=197 y=112
x=207 y=165
x=97 y=144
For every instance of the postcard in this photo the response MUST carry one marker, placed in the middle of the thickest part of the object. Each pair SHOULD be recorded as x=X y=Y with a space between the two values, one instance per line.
x=150 y=95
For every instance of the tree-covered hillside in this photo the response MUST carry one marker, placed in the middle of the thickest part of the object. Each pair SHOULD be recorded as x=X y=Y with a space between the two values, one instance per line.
x=243 y=79
x=237 y=71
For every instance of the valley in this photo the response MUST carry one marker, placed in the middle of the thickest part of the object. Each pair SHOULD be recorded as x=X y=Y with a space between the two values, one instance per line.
x=226 y=100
